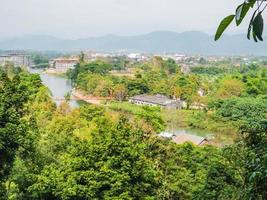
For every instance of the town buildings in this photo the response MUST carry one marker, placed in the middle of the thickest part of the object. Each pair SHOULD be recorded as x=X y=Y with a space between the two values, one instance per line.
x=137 y=57
x=157 y=100
x=93 y=56
x=176 y=57
x=19 y=60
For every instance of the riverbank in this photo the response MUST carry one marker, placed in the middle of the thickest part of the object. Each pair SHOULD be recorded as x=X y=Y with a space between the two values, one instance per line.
x=55 y=72
x=81 y=95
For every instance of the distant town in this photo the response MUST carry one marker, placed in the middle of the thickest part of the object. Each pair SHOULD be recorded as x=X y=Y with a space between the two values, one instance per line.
x=62 y=62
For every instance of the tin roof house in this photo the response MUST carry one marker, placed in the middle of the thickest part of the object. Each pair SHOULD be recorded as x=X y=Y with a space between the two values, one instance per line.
x=196 y=140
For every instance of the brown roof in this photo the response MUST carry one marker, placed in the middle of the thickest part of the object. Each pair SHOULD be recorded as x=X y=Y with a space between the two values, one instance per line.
x=182 y=138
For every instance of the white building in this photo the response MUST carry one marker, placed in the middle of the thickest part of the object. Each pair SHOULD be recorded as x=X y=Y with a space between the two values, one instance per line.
x=64 y=64
x=137 y=57
x=19 y=60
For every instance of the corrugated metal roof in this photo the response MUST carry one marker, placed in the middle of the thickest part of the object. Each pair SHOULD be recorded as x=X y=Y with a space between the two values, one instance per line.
x=182 y=138
x=156 y=99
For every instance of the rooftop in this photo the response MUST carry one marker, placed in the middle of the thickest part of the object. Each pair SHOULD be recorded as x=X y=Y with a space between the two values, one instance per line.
x=12 y=55
x=155 y=99
x=182 y=138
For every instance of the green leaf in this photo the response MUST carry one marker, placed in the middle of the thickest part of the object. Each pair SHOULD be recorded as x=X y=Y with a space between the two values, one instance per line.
x=250 y=24
x=251 y=3
x=258 y=26
x=249 y=32
x=223 y=25
x=253 y=175
x=254 y=37
x=241 y=12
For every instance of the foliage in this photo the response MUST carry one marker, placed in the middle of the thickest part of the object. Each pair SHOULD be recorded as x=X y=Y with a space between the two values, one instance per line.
x=113 y=151
x=255 y=25
x=97 y=67
x=151 y=116
x=248 y=112
x=208 y=70
x=120 y=92
x=229 y=87
x=15 y=135
x=251 y=115
x=40 y=60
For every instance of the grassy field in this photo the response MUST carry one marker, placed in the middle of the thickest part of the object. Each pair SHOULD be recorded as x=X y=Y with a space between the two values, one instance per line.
x=127 y=107
x=176 y=118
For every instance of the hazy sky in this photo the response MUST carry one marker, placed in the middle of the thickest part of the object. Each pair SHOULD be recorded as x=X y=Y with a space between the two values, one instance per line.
x=83 y=18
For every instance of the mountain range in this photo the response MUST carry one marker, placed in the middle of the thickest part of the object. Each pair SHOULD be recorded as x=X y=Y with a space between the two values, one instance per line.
x=191 y=42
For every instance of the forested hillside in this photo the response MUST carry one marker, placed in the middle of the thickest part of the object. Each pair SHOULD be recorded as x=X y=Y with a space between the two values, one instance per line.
x=91 y=152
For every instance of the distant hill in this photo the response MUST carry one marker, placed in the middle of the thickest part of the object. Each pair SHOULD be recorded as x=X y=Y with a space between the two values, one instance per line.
x=191 y=42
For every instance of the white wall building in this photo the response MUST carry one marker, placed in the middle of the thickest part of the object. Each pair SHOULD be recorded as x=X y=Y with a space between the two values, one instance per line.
x=64 y=64
x=19 y=60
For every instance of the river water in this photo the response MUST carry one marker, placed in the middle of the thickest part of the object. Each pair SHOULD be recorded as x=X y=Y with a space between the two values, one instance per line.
x=58 y=85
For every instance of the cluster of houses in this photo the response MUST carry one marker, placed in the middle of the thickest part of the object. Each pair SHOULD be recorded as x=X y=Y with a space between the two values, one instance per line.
x=137 y=57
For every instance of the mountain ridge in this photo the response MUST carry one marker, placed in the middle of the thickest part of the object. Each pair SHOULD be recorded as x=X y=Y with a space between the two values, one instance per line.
x=189 y=42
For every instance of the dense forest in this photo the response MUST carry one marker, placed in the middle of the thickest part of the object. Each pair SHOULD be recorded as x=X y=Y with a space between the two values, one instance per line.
x=91 y=152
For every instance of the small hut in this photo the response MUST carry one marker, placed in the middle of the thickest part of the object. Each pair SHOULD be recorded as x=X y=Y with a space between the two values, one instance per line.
x=197 y=140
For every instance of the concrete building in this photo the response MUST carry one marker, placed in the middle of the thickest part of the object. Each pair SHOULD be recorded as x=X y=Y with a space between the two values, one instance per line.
x=64 y=64
x=157 y=100
x=19 y=60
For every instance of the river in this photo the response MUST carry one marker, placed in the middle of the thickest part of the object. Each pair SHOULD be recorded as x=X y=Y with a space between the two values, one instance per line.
x=58 y=85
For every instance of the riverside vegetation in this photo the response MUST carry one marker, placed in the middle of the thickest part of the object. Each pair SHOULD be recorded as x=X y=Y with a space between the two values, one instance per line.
x=96 y=152
x=221 y=83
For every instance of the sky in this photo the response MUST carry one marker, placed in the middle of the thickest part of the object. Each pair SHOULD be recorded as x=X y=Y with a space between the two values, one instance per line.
x=73 y=19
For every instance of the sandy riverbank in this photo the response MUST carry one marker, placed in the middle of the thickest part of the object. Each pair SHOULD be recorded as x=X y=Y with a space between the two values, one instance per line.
x=81 y=95
x=54 y=71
